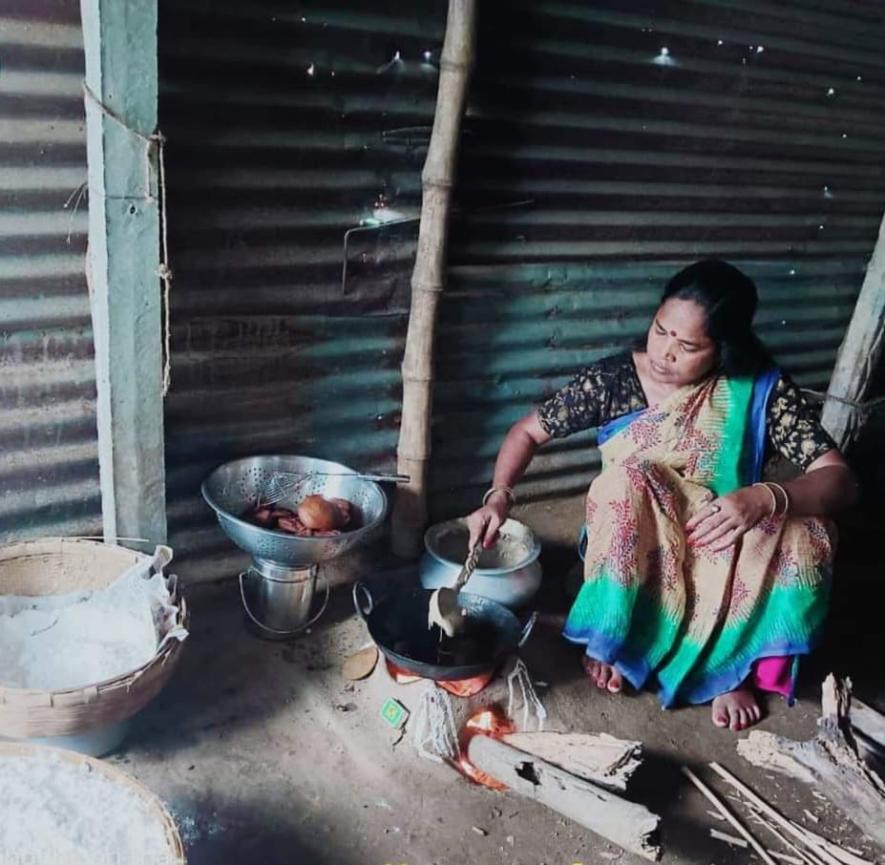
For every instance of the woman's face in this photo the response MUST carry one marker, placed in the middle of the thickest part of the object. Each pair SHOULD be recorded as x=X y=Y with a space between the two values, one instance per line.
x=679 y=352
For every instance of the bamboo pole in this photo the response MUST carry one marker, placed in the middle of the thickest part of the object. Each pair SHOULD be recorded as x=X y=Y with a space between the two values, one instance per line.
x=858 y=354
x=428 y=277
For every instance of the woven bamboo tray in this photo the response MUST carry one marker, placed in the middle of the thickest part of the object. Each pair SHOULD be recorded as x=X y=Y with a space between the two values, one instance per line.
x=151 y=801
x=57 y=566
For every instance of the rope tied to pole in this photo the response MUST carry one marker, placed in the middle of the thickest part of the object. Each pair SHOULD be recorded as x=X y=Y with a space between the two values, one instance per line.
x=154 y=143
x=864 y=408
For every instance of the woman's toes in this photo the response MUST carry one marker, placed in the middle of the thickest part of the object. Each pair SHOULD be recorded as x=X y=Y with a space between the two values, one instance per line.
x=594 y=671
x=736 y=710
x=603 y=675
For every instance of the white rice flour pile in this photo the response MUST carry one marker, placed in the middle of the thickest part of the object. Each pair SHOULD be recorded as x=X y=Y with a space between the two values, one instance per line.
x=59 y=813
x=69 y=641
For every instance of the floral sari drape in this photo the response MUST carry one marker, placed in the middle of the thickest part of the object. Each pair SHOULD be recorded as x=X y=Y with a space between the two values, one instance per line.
x=687 y=620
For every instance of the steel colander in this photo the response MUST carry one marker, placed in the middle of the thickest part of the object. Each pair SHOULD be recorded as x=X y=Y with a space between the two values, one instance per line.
x=234 y=487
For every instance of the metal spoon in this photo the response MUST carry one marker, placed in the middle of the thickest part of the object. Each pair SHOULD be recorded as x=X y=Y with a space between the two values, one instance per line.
x=283 y=484
x=443 y=609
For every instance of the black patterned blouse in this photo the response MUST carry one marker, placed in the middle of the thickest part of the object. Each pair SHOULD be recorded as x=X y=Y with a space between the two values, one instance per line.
x=610 y=387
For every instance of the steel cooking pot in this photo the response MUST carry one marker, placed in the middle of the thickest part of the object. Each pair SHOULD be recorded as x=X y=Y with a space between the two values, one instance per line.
x=509 y=573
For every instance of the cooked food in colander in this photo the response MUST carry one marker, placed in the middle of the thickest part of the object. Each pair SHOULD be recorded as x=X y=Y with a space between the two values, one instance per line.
x=319 y=513
x=315 y=516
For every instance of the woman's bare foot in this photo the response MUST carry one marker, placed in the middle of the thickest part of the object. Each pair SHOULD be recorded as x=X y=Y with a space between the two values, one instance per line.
x=737 y=709
x=605 y=676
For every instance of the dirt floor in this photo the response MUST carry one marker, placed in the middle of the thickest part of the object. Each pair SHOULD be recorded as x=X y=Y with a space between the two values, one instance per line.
x=267 y=755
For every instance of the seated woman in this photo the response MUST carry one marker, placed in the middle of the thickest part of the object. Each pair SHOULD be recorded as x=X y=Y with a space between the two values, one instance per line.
x=700 y=579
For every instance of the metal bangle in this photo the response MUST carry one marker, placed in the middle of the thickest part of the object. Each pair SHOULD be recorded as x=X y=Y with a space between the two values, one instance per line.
x=773 y=497
x=506 y=490
x=786 y=496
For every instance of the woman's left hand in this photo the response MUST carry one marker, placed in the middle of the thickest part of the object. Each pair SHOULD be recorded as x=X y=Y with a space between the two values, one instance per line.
x=720 y=522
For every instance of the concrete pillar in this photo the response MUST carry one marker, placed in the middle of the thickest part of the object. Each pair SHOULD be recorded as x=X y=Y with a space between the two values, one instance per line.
x=120 y=41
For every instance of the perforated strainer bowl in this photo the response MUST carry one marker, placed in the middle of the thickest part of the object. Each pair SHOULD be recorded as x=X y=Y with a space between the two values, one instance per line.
x=234 y=487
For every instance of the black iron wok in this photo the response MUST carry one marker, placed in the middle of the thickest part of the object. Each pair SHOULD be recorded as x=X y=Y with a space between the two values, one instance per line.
x=398 y=625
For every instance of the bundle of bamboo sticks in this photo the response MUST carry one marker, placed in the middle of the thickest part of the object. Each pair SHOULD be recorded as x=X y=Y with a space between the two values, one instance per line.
x=805 y=846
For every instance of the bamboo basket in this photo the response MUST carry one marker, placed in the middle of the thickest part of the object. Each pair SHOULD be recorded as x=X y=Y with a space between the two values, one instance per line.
x=57 y=566
x=151 y=800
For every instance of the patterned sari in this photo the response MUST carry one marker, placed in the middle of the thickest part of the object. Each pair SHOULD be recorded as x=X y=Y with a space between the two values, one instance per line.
x=691 y=621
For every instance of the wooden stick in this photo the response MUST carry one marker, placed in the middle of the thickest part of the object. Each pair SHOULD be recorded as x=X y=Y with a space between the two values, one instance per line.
x=728 y=839
x=428 y=277
x=785 y=857
x=869 y=750
x=859 y=352
x=868 y=726
x=726 y=812
x=838 y=852
x=806 y=856
x=813 y=817
x=628 y=824
x=739 y=842
x=768 y=810
x=868 y=720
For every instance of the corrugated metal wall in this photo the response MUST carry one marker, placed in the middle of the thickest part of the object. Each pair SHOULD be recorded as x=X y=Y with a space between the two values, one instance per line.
x=48 y=451
x=288 y=125
x=645 y=136
x=606 y=145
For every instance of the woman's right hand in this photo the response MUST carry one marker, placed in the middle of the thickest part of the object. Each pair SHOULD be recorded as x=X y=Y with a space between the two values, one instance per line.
x=485 y=521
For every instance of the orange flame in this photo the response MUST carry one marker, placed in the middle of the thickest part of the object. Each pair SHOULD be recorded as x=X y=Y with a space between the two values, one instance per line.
x=459 y=688
x=490 y=721
x=467 y=687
